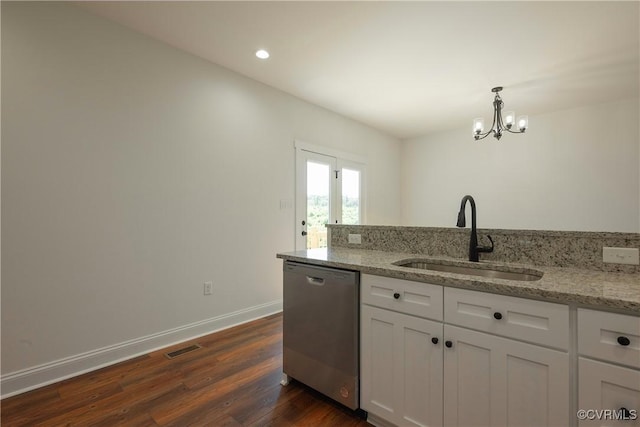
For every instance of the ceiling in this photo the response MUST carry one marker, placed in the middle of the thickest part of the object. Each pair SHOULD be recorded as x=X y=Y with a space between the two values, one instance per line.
x=410 y=68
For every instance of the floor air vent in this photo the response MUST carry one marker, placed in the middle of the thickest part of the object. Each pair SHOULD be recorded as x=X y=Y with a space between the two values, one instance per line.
x=182 y=351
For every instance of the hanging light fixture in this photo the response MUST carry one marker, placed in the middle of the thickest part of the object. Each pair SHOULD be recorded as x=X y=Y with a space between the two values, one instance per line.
x=501 y=121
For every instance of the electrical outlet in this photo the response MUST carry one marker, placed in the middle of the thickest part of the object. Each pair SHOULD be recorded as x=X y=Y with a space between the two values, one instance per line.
x=208 y=288
x=355 y=238
x=620 y=255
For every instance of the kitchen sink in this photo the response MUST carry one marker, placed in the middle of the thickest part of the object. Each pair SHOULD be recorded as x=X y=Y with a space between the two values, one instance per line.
x=492 y=272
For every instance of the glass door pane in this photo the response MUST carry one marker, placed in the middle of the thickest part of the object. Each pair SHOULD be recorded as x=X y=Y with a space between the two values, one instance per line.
x=318 y=203
x=316 y=187
x=351 y=206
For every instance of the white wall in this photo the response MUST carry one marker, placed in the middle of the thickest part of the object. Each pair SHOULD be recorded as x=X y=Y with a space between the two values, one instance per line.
x=573 y=170
x=133 y=172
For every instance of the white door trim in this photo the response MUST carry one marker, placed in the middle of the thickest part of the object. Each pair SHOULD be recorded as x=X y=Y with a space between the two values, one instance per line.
x=327 y=151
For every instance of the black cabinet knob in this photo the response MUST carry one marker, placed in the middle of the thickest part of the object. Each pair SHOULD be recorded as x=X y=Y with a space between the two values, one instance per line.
x=449 y=344
x=497 y=315
x=624 y=341
x=304 y=233
x=396 y=295
x=434 y=340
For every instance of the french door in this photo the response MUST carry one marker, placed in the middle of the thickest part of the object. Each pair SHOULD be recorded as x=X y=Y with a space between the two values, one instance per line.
x=329 y=190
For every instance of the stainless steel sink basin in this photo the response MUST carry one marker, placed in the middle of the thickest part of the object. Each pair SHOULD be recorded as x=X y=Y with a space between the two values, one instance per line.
x=484 y=271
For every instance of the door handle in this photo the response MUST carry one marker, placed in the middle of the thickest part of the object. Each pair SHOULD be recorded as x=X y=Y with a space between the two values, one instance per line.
x=304 y=233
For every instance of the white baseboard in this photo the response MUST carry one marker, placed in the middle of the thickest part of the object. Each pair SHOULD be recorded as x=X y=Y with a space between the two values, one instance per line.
x=58 y=370
x=378 y=422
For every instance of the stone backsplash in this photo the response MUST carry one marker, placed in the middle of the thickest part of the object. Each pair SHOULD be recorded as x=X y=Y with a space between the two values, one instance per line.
x=545 y=248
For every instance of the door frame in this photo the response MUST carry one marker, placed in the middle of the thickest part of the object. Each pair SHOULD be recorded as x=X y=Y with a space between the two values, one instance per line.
x=343 y=159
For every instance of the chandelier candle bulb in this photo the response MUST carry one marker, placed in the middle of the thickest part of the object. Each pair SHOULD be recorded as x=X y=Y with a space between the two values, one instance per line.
x=478 y=126
x=523 y=123
x=509 y=118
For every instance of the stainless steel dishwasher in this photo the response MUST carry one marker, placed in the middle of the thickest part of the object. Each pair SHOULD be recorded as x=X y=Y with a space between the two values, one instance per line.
x=320 y=330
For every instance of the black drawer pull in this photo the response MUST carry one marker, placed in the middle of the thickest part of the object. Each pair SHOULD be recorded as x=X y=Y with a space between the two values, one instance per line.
x=624 y=341
x=396 y=295
x=449 y=344
x=434 y=340
x=497 y=315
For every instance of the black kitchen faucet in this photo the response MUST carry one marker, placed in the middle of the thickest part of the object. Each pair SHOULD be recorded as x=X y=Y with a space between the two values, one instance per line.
x=474 y=249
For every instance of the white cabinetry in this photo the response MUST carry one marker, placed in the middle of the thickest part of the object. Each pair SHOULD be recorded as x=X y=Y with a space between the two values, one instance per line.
x=401 y=366
x=604 y=386
x=494 y=381
x=420 y=372
x=537 y=322
x=401 y=371
x=609 y=387
x=498 y=381
x=418 y=299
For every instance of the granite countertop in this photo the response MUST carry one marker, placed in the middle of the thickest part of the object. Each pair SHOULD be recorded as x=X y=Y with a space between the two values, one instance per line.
x=592 y=288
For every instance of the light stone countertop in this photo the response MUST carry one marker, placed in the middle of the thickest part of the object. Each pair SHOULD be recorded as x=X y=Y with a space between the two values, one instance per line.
x=596 y=289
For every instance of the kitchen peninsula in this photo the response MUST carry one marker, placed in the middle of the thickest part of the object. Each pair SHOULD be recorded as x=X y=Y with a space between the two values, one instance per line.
x=438 y=347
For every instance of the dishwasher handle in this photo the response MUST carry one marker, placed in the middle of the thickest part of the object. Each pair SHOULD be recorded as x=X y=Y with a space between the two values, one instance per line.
x=317 y=281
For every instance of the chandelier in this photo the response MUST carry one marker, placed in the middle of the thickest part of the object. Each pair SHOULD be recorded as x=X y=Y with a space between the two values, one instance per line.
x=502 y=121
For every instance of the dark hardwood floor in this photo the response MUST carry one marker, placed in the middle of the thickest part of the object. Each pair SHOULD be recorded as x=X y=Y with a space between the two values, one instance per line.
x=233 y=380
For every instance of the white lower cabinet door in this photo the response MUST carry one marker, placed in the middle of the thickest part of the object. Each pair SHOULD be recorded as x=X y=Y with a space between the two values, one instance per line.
x=608 y=395
x=494 y=381
x=401 y=367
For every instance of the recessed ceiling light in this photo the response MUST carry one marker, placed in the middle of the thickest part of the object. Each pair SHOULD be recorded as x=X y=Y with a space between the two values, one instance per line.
x=262 y=54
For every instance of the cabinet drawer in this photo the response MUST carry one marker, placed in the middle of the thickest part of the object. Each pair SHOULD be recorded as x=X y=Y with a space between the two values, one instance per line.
x=526 y=320
x=609 y=336
x=415 y=298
